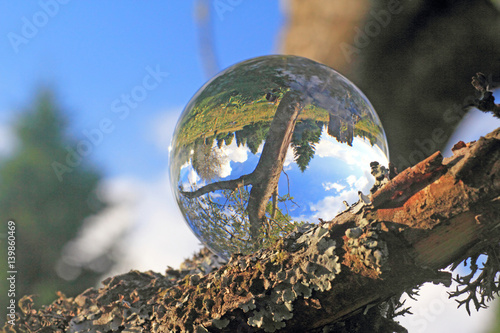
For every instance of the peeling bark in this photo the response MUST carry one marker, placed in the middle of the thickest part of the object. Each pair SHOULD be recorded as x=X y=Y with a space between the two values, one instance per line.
x=318 y=277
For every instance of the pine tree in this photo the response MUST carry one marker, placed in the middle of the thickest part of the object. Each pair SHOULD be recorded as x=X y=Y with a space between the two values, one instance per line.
x=48 y=208
x=307 y=133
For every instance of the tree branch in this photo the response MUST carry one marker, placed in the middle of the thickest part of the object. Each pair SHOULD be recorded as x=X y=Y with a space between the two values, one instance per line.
x=429 y=216
x=231 y=184
x=486 y=100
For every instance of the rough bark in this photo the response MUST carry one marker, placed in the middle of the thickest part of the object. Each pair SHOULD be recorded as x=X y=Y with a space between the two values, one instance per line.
x=318 y=277
x=268 y=170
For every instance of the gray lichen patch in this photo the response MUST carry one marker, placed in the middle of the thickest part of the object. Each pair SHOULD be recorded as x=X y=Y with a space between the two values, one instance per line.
x=123 y=299
x=263 y=286
x=381 y=174
x=220 y=323
x=357 y=207
x=314 y=266
x=261 y=290
x=366 y=251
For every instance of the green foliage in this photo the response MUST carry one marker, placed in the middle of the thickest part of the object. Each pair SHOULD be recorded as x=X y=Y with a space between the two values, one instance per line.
x=47 y=211
x=237 y=99
x=207 y=161
x=254 y=135
x=305 y=136
x=225 y=227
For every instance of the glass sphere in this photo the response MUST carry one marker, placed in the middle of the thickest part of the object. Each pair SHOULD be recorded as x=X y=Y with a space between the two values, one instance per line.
x=268 y=144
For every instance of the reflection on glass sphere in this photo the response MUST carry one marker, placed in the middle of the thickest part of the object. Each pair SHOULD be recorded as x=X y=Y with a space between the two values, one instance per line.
x=268 y=144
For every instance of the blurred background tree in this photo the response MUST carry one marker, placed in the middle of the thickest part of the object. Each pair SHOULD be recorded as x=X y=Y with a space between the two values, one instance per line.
x=48 y=209
x=413 y=59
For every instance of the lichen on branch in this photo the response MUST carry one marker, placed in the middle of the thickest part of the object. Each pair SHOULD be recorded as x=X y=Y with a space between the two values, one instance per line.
x=342 y=275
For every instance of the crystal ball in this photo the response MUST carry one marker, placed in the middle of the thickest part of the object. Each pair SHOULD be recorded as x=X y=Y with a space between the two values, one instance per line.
x=269 y=144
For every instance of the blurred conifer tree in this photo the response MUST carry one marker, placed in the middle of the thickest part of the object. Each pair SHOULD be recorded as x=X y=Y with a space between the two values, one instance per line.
x=48 y=210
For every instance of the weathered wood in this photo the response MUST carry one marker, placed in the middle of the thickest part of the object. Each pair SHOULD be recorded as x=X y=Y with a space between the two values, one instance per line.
x=430 y=216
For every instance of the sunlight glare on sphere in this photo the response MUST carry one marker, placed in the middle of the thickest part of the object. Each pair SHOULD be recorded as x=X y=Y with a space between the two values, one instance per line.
x=268 y=144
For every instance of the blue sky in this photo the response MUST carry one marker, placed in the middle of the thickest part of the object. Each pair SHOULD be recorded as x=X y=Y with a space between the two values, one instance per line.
x=91 y=53
x=96 y=56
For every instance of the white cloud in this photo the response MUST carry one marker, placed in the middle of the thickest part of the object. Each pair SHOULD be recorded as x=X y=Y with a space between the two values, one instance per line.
x=336 y=186
x=225 y=169
x=8 y=140
x=142 y=218
x=362 y=183
x=232 y=153
x=289 y=159
x=359 y=155
x=99 y=232
x=351 y=180
x=329 y=147
x=433 y=311
x=193 y=177
x=330 y=206
x=145 y=220
x=235 y=153
x=162 y=128
x=160 y=237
